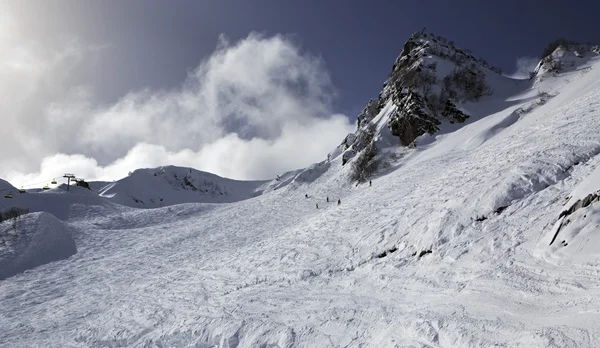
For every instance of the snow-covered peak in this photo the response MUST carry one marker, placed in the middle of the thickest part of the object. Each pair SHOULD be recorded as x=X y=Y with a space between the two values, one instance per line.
x=156 y=187
x=435 y=69
x=421 y=51
x=432 y=86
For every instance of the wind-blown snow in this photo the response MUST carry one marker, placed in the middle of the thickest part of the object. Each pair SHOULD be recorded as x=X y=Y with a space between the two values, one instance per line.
x=448 y=248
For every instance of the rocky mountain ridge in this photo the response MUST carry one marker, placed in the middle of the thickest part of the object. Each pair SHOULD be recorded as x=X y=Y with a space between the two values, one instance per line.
x=430 y=82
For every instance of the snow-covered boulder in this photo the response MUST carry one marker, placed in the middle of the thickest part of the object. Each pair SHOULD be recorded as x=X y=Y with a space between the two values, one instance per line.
x=31 y=241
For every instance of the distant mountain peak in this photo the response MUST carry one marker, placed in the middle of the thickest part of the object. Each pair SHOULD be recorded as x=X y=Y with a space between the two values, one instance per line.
x=167 y=185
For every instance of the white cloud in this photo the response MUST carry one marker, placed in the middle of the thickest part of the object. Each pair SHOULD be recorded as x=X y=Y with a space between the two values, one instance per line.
x=524 y=66
x=251 y=110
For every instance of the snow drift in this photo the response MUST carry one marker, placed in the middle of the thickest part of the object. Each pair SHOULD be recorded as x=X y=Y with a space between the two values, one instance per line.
x=31 y=241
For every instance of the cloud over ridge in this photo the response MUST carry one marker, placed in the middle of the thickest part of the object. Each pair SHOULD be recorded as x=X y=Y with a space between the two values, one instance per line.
x=254 y=108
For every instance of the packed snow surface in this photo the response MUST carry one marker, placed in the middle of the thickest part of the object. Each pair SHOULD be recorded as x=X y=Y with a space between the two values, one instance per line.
x=450 y=247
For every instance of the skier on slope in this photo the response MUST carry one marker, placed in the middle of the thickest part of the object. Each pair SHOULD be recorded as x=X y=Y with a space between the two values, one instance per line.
x=339 y=201
x=306 y=195
x=327 y=199
x=369 y=182
x=317 y=205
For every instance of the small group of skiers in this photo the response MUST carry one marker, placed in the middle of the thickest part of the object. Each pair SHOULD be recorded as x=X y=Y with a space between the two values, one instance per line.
x=339 y=200
x=317 y=204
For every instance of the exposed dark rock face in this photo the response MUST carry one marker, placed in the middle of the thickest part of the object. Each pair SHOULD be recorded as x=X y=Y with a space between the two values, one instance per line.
x=453 y=114
x=412 y=118
x=582 y=203
x=423 y=97
x=424 y=252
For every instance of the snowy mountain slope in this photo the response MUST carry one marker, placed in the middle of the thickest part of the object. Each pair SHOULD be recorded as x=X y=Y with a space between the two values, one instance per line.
x=448 y=248
x=279 y=182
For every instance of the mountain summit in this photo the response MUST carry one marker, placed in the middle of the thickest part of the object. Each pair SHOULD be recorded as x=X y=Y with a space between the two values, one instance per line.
x=429 y=78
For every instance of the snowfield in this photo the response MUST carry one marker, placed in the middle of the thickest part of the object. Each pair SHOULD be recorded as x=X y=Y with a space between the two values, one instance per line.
x=450 y=247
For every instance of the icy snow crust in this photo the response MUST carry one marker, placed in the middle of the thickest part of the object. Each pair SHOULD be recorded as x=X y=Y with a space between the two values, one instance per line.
x=274 y=271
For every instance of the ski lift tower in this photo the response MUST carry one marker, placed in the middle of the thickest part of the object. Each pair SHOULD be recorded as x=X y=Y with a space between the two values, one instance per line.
x=69 y=177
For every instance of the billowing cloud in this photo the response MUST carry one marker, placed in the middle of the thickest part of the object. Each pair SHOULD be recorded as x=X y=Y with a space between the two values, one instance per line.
x=524 y=66
x=252 y=109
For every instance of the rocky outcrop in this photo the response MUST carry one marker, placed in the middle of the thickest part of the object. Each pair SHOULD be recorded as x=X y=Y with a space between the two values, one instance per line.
x=412 y=118
x=582 y=203
x=452 y=113
x=561 y=55
x=424 y=95
x=369 y=112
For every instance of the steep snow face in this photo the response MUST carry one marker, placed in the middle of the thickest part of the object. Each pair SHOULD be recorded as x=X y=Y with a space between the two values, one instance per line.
x=32 y=240
x=151 y=188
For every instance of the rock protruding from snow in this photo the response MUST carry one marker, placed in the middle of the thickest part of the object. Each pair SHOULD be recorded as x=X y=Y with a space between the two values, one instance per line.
x=567 y=56
x=581 y=212
x=412 y=118
x=33 y=240
x=429 y=79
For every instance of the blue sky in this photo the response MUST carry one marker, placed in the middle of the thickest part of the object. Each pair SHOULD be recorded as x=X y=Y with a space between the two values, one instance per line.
x=115 y=60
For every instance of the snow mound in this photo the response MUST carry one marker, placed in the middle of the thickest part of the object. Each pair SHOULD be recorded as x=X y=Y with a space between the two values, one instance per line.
x=36 y=239
x=56 y=201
